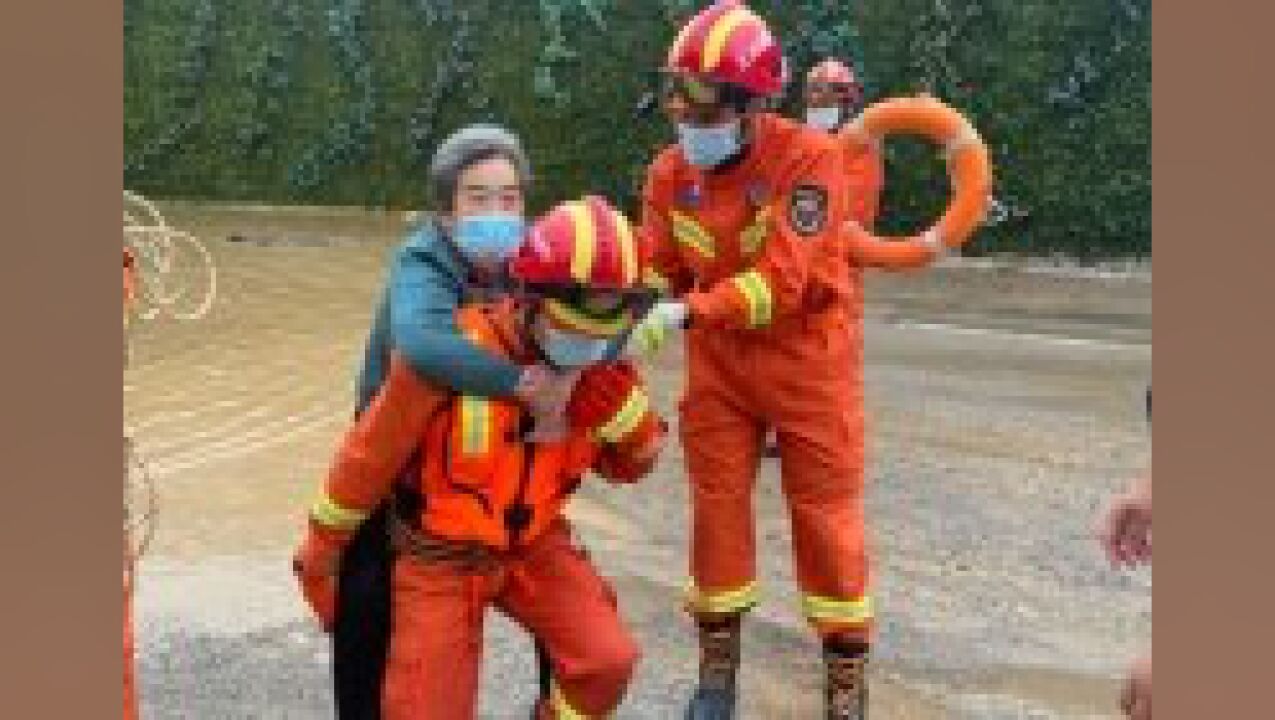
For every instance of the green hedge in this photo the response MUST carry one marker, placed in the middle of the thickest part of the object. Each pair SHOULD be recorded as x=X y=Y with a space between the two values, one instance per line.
x=341 y=101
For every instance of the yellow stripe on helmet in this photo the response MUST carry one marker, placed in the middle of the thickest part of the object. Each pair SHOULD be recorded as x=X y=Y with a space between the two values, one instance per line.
x=584 y=241
x=628 y=251
x=720 y=34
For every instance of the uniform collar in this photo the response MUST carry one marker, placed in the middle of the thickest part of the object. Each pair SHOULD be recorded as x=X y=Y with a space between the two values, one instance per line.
x=510 y=323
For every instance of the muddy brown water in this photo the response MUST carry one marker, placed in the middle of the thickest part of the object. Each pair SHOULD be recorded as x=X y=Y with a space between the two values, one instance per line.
x=1003 y=408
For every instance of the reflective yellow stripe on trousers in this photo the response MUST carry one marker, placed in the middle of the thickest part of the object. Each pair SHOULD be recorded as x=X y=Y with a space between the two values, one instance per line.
x=846 y=611
x=722 y=602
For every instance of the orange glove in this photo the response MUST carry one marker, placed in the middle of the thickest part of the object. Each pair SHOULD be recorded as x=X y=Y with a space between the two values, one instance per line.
x=315 y=565
x=628 y=463
x=610 y=403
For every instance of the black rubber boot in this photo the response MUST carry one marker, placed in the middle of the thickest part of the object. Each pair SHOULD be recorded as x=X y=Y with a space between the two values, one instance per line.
x=714 y=698
x=846 y=693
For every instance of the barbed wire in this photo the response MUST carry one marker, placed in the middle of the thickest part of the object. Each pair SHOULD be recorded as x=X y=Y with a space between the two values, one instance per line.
x=175 y=277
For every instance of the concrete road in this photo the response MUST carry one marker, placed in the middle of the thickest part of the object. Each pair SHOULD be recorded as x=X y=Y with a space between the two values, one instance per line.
x=1004 y=406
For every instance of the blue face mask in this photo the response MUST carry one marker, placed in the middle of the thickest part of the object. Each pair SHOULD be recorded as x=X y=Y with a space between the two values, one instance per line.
x=709 y=146
x=488 y=239
x=572 y=350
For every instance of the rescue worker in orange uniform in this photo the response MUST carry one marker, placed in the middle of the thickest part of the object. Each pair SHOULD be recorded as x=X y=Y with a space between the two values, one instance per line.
x=834 y=98
x=481 y=524
x=742 y=219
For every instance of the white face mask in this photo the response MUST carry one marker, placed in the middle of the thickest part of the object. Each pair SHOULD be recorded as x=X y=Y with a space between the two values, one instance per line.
x=710 y=146
x=823 y=118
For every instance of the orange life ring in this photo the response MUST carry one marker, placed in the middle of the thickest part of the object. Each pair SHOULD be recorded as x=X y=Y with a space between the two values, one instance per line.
x=969 y=169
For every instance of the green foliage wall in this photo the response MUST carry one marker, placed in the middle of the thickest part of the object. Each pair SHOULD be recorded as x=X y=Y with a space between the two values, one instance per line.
x=342 y=101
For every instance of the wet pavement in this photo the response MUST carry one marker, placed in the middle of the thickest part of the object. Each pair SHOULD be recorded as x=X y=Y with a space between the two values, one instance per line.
x=1004 y=406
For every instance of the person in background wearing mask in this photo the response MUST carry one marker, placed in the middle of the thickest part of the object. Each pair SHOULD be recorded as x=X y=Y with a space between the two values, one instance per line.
x=834 y=98
x=478 y=181
x=741 y=219
x=478 y=522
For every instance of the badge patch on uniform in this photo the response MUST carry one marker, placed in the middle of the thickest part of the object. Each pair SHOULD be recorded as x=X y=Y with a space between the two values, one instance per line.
x=808 y=209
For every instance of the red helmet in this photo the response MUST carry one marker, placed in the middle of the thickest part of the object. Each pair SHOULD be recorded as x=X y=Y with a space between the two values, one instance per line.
x=727 y=43
x=832 y=72
x=582 y=258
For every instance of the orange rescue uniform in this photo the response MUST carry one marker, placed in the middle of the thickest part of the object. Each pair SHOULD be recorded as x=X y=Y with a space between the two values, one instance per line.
x=476 y=470
x=753 y=249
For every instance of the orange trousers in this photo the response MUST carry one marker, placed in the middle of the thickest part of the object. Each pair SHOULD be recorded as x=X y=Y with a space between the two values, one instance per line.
x=550 y=588
x=802 y=378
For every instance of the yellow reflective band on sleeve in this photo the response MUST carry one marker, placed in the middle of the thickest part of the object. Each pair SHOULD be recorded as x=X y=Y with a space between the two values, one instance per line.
x=722 y=602
x=844 y=611
x=634 y=408
x=720 y=34
x=584 y=242
x=328 y=513
x=691 y=234
x=753 y=238
x=475 y=425
x=654 y=280
x=756 y=291
x=562 y=709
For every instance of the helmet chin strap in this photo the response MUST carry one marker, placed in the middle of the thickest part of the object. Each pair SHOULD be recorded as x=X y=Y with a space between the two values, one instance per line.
x=534 y=314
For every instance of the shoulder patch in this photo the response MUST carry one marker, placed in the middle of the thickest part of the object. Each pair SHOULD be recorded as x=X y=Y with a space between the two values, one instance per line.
x=808 y=209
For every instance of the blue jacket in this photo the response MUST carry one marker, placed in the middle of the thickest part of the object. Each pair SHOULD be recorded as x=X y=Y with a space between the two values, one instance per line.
x=428 y=280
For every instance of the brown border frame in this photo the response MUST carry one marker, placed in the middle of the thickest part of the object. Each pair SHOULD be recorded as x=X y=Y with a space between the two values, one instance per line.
x=62 y=147
x=1211 y=211
x=60 y=159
